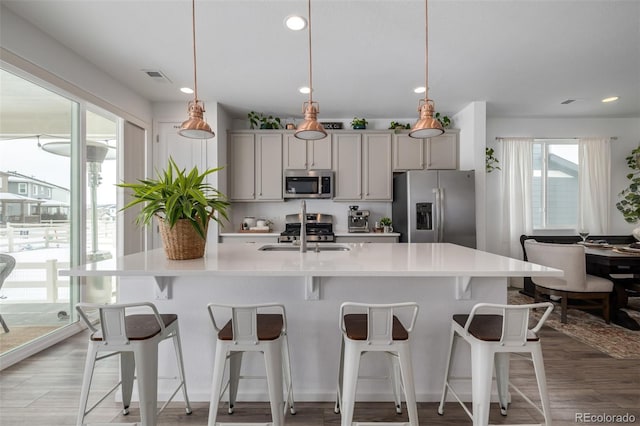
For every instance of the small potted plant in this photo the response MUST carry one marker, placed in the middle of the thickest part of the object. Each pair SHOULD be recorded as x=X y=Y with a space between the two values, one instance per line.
x=443 y=119
x=491 y=161
x=386 y=223
x=399 y=126
x=257 y=119
x=359 y=123
x=183 y=203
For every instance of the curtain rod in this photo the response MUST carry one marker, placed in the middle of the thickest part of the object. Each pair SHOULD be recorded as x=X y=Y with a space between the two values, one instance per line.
x=498 y=138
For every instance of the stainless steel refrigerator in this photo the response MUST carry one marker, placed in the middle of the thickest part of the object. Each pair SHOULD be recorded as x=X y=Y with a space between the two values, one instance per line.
x=431 y=206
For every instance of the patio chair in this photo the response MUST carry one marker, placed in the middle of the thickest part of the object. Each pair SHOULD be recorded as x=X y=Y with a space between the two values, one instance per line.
x=7 y=263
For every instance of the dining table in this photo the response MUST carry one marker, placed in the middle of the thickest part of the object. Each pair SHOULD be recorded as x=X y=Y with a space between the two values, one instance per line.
x=622 y=266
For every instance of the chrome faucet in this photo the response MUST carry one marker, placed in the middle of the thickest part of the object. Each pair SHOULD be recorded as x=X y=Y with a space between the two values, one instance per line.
x=303 y=227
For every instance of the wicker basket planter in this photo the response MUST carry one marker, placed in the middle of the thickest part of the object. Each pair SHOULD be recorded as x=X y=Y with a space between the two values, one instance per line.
x=182 y=241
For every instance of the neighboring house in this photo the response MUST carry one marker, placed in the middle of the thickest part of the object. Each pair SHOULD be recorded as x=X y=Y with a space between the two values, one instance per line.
x=28 y=199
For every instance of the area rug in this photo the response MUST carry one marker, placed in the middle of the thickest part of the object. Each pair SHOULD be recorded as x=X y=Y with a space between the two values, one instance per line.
x=613 y=340
x=19 y=335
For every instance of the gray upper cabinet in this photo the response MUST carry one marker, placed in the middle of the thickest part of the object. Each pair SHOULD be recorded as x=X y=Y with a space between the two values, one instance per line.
x=255 y=166
x=347 y=164
x=438 y=153
x=306 y=155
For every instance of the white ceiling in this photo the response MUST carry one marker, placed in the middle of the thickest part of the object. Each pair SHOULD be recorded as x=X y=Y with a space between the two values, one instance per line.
x=523 y=57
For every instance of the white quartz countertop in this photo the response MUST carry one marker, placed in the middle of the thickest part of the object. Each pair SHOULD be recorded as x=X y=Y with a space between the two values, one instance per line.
x=366 y=234
x=363 y=259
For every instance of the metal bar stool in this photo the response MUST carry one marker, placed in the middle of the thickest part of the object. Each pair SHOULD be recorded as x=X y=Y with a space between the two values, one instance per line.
x=135 y=338
x=376 y=328
x=252 y=328
x=492 y=337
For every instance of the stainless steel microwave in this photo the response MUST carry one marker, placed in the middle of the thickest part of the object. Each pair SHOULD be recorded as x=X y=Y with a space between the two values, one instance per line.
x=308 y=184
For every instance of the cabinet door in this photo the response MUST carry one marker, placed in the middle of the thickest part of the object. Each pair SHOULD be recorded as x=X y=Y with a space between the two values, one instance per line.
x=295 y=153
x=377 y=174
x=269 y=167
x=442 y=152
x=408 y=153
x=241 y=167
x=319 y=154
x=347 y=165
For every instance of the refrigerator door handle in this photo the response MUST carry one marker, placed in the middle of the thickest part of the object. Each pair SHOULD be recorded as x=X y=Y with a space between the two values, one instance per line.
x=441 y=214
x=438 y=221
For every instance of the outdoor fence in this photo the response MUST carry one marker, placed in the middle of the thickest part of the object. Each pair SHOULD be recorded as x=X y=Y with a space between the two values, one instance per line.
x=27 y=236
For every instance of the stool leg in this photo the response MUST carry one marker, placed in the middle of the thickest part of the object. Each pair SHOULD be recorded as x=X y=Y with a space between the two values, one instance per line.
x=481 y=377
x=502 y=380
x=235 y=365
x=288 y=381
x=445 y=389
x=406 y=369
x=336 y=408
x=350 y=381
x=178 y=348
x=127 y=374
x=273 y=363
x=395 y=373
x=89 y=364
x=541 y=378
x=220 y=359
x=146 y=359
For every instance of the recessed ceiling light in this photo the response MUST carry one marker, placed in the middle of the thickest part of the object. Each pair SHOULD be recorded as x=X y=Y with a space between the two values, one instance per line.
x=187 y=90
x=419 y=90
x=295 y=22
x=611 y=99
x=305 y=90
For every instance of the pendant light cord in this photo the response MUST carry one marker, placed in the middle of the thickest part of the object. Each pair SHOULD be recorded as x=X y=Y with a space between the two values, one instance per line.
x=310 y=61
x=426 y=51
x=193 y=28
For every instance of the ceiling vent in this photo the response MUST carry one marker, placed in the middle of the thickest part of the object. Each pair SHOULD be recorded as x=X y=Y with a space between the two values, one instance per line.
x=157 y=76
x=567 y=102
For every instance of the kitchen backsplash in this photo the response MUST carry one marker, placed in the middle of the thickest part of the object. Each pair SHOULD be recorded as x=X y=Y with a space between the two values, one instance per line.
x=277 y=211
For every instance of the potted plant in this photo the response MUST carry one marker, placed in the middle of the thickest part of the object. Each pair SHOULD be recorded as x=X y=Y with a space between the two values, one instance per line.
x=443 y=119
x=386 y=223
x=399 y=126
x=257 y=119
x=183 y=203
x=359 y=123
x=491 y=161
x=629 y=205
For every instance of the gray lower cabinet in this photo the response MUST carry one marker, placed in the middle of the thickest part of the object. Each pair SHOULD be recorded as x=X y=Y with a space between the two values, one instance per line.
x=250 y=239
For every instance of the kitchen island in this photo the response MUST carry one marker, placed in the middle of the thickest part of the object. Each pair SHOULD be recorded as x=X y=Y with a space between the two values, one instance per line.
x=443 y=278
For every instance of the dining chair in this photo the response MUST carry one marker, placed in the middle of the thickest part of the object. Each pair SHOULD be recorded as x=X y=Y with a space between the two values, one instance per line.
x=592 y=292
x=7 y=263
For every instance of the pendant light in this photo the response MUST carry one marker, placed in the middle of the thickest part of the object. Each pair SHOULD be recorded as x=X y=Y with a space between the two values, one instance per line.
x=310 y=129
x=427 y=126
x=195 y=127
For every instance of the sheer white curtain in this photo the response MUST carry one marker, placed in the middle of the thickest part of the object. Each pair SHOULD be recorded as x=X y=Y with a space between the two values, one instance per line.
x=517 y=173
x=594 y=156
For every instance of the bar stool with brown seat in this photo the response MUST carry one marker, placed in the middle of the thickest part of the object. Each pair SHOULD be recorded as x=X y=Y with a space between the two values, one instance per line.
x=376 y=328
x=252 y=328
x=493 y=335
x=135 y=337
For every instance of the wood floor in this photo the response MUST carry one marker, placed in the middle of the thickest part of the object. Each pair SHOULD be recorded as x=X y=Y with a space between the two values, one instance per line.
x=44 y=390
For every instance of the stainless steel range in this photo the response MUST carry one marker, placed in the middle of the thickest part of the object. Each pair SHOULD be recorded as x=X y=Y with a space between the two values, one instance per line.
x=319 y=228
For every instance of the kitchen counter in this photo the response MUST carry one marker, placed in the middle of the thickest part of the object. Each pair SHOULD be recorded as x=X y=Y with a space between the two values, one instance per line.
x=442 y=278
x=366 y=234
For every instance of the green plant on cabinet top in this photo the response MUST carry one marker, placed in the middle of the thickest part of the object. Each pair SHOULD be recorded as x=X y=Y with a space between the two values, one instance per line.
x=629 y=205
x=359 y=123
x=175 y=195
x=443 y=119
x=257 y=119
x=396 y=125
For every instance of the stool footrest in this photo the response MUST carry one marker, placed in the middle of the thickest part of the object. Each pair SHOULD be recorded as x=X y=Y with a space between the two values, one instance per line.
x=381 y=424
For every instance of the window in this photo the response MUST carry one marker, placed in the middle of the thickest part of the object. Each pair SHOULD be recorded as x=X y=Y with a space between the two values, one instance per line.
x=22 y=188
x=554 y=190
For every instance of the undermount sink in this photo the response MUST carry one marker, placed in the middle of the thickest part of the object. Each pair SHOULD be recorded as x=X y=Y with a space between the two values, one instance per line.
x=310 y=247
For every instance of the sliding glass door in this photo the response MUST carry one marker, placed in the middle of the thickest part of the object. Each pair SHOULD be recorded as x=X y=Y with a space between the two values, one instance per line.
x=57 y=205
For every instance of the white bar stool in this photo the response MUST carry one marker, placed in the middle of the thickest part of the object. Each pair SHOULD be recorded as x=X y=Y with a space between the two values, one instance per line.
x=136 y=338
x=493 y=336
x=376 y=328
x=252 y=328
